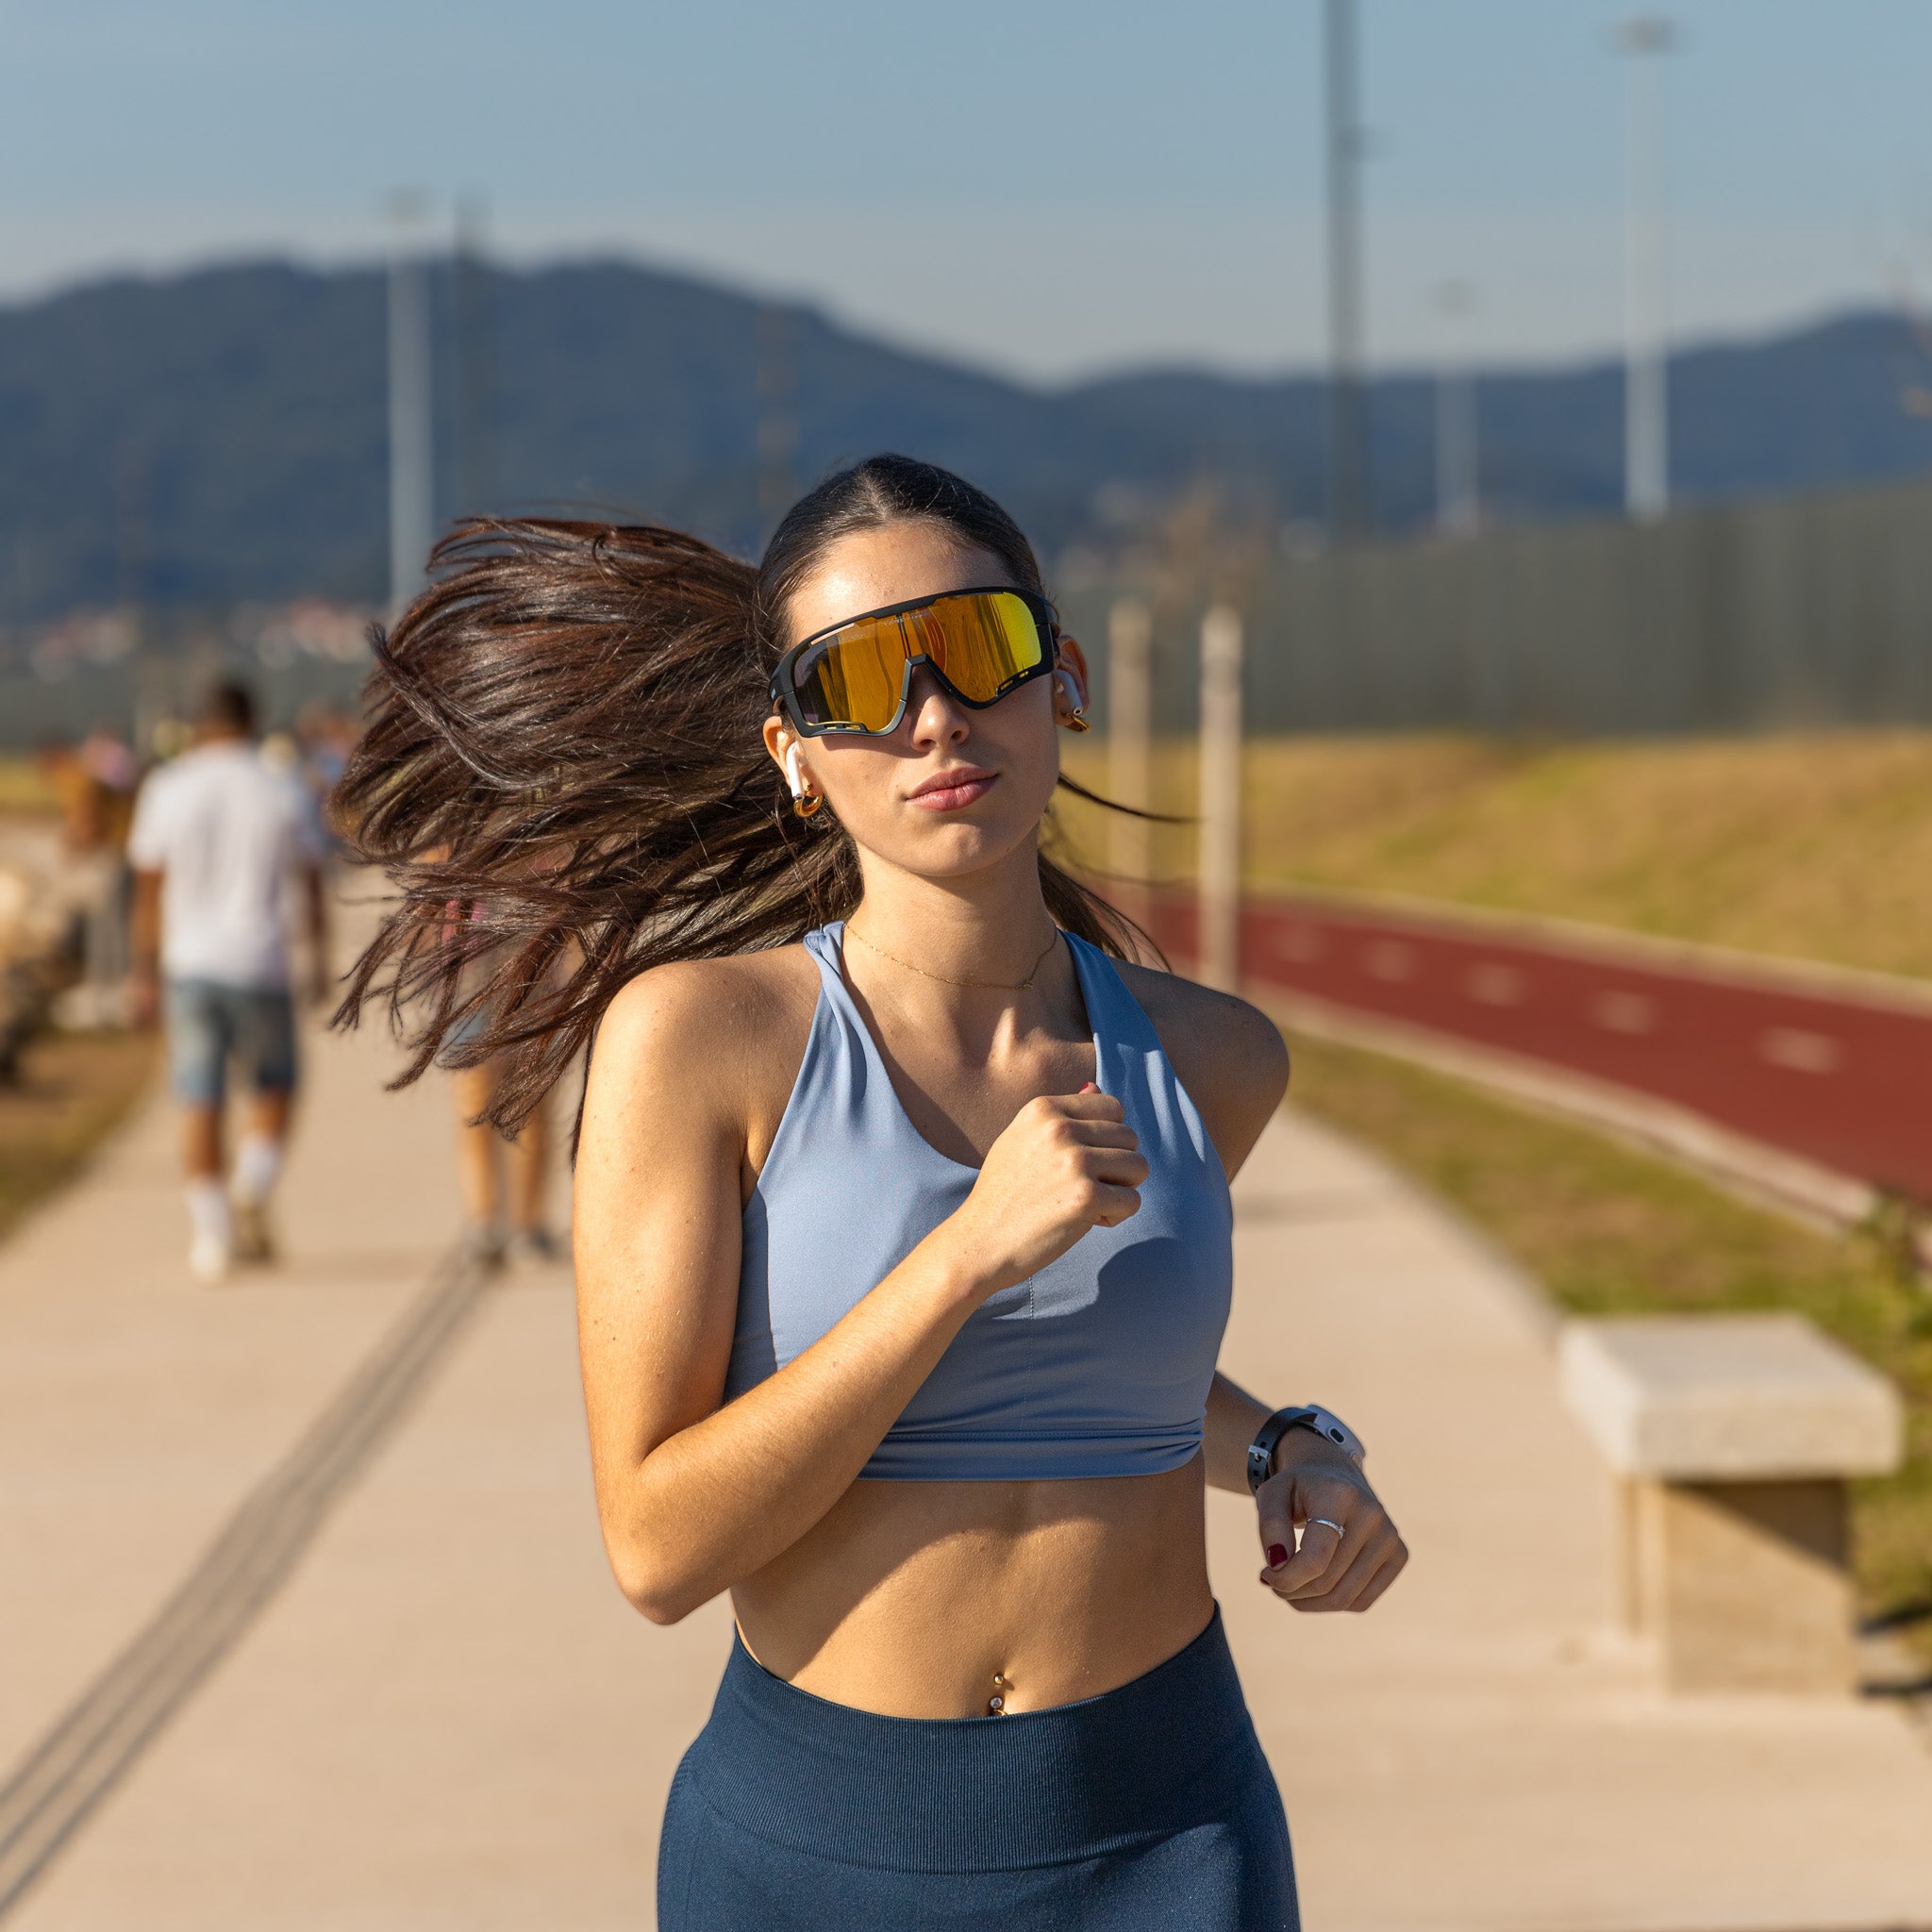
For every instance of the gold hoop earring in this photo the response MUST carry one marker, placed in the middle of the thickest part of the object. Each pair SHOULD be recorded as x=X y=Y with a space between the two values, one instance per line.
x=1076 y=721
x=808 y=802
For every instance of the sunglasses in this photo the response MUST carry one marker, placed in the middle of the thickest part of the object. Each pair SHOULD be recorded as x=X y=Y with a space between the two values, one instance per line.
x=857 y=675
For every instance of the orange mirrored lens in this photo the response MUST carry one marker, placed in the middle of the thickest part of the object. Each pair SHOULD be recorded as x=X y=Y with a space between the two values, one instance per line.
x=981 y=644
x=854 y=676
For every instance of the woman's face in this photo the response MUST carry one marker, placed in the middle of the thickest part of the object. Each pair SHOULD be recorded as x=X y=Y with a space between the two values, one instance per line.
x=951 y=790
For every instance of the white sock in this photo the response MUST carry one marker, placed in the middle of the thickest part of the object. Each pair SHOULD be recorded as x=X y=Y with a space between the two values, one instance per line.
x=208 y=1212
x=258 y=1161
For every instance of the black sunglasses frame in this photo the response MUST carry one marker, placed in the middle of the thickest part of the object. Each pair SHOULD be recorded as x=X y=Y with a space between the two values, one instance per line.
x=785 y=692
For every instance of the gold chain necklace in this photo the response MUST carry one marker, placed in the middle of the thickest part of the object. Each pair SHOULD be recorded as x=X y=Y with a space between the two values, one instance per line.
x=987 y=985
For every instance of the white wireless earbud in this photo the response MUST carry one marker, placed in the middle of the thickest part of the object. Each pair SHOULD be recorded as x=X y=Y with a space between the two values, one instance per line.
x=1076 y=695
x=803 y=802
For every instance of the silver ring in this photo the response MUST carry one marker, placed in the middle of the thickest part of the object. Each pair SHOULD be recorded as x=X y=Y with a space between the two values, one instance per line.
x=1326 y=1525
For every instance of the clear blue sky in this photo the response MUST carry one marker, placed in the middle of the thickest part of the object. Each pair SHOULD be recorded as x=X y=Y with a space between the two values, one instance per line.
x=1049 y=187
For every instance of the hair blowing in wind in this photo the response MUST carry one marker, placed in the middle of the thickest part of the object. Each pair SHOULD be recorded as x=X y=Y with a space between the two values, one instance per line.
x=564 y=774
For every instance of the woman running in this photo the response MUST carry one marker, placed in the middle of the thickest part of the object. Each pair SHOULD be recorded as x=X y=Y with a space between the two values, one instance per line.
x=902 y=1203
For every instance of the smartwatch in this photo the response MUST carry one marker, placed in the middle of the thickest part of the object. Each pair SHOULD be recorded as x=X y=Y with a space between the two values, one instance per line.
x=1324 y=1423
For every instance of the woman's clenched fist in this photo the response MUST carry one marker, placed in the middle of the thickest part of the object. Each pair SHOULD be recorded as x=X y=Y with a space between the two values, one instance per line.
x=1067 y=1162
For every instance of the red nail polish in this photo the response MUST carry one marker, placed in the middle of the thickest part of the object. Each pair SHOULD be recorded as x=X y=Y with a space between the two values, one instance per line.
x=1277 y=1556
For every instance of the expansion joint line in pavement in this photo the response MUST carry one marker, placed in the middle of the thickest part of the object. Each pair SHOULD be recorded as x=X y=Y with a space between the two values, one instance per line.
x=49 y=1795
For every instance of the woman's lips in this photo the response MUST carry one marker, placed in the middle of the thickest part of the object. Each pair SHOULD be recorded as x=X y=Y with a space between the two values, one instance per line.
x=954 y=791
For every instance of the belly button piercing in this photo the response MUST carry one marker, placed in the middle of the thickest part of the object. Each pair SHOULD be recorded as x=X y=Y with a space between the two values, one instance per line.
x=996 y=1703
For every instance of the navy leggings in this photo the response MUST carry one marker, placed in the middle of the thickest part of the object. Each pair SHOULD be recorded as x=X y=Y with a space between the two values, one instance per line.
x=1148 y=1808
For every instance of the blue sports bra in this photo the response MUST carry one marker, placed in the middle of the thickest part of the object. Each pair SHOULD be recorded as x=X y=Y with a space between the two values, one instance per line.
x=1096 y=1366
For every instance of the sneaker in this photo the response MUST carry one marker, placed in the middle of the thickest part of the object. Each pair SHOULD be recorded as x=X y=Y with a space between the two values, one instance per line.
x=209 y=1259
x=482 y=1241
x=254 y=1241
x=533 y=1247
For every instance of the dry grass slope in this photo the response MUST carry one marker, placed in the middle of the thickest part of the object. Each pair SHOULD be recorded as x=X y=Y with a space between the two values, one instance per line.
x=25 y=789
x=1816 y=845
x=75 y=1089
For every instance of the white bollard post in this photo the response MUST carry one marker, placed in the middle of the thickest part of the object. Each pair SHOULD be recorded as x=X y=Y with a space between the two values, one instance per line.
x=1129 y=750
x=1220 y=863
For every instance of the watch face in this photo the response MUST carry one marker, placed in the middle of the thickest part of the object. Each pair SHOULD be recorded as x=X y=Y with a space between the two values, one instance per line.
x=1329 y=1424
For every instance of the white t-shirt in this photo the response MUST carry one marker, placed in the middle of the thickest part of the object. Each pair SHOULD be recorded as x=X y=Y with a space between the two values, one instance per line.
x=226 y=833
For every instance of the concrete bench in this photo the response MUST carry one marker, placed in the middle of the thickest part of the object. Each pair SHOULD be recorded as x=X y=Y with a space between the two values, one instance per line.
x=1732 y=1438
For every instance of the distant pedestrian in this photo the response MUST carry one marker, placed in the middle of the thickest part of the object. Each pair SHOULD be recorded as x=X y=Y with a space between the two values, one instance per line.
x=111 y=768
x=219 y=840
x=504 y=1217
x=326 y=737
x=504 y=1182
x=93 y=786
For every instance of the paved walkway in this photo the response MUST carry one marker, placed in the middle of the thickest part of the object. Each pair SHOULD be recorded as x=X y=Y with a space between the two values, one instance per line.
x=449 y=1719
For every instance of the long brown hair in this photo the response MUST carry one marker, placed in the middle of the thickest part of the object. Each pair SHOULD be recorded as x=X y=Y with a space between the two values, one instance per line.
x=563 y=772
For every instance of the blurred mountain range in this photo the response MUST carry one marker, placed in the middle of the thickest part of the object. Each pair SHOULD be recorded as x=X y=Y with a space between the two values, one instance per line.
x=221 y=436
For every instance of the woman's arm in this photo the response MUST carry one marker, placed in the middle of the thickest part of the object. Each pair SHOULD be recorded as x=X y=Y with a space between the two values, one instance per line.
x=1232 y=1061
x=694 y=1496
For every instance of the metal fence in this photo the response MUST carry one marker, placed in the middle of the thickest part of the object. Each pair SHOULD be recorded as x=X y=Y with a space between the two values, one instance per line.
x=1793 y=611
x=1748 y=616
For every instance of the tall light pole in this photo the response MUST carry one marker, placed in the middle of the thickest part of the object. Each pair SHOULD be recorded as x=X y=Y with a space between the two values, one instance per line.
x=411 y=424
x=1459 y=455
x=1645 y=40
x=473 y=310
x=1349 y=496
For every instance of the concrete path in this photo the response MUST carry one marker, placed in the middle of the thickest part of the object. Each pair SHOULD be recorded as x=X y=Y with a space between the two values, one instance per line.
x=449 y=1719
x=136 y=1408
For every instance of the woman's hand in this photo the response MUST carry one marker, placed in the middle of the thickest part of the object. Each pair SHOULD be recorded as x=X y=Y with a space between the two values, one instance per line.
x=1066 y=1162
x=1350 y=1552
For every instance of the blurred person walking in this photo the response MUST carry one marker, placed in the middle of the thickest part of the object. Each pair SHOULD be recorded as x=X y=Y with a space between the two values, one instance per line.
x=903 y=1232
x=326 y=738
x=504 y=1178
x=504 y=1182
x=94 y=785
x=110 y=763
x=219 y=840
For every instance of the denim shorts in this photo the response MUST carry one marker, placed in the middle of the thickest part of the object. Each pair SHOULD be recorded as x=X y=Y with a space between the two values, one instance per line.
x=209 y=1025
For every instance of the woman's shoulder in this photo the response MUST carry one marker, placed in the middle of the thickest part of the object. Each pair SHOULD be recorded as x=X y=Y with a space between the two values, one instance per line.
x=702 y=1052
x=692 y=1007
x=1210 y=1030
x=1228 y=1055
x=694 y=1060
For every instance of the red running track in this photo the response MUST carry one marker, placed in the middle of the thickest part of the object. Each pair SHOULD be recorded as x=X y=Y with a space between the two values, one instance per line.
x=1840 y=1074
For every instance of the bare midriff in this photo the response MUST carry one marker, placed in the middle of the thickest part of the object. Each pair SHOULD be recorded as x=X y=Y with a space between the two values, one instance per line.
x=932 y=1600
